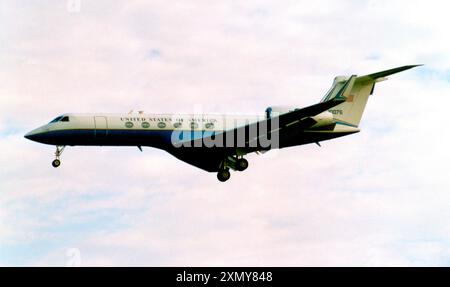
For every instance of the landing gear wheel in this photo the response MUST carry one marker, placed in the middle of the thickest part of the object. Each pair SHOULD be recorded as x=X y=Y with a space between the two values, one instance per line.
x=58 y=152
x=241 y=164
x=56 y=163
x=223 y=175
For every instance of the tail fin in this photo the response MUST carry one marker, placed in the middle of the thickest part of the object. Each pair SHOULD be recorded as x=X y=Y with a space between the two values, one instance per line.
x=350 y=112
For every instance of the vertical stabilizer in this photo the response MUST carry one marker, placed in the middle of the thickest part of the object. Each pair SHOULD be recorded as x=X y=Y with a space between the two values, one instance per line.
x=350 y=112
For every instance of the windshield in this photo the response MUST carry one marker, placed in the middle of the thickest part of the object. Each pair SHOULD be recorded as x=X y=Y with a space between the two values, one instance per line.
x=55 y=120
x=60 y=119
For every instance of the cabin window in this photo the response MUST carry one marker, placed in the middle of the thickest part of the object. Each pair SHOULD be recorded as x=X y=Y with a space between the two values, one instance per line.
x=209 y=125
x=65 y=119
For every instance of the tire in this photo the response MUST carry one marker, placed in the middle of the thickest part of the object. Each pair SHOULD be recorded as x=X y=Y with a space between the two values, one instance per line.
x=56 y=163
x=242 y=164
x=223 y=175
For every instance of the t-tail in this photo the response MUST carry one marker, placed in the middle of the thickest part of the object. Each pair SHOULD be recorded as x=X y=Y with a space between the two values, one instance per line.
x=358 y=91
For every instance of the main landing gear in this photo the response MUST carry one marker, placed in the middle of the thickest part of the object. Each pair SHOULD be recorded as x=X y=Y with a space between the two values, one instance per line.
x=58 y=152
x=235 y=163
x=223 y=175
x=242 y=164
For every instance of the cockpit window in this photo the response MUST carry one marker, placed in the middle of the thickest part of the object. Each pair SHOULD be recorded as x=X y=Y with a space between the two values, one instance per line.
x=56 y=120
x=60 y=119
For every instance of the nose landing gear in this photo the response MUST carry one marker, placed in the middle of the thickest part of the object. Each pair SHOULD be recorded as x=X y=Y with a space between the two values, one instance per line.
x=56 y=163
x=58 y=152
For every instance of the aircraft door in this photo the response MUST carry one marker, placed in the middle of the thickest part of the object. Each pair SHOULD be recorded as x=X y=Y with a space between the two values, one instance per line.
x=101 y=127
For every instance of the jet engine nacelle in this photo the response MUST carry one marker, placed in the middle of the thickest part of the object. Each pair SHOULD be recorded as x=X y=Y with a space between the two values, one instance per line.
x=323 y=119
x=274 y=111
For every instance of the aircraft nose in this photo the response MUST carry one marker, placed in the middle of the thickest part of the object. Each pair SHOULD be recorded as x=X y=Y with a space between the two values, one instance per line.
x=31 y=135
x=35 y=135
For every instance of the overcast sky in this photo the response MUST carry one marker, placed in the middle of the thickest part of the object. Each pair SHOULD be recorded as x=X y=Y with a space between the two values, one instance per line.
x=377 y=198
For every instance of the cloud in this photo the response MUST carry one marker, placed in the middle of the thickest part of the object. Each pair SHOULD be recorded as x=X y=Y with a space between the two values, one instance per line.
x=375 y=198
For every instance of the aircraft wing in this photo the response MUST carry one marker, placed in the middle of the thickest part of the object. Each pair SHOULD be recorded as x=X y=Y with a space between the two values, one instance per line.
x=301 y=114
x=209 y=159
x=298 y=119
x=288 y=124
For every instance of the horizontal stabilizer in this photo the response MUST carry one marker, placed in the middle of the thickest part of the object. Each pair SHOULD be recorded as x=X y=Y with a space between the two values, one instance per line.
x=387 y=72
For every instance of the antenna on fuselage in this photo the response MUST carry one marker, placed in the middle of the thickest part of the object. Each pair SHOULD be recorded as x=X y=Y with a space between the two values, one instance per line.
x=130 y=112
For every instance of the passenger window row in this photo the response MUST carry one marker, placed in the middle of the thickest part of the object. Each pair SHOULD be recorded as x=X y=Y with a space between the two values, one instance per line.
x=177 y=125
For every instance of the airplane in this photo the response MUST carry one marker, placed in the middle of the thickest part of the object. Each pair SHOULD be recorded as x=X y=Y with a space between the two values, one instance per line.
x=218 y=143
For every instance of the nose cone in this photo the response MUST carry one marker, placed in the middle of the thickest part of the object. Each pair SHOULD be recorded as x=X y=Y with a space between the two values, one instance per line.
x=36 y=134
x=31 y=135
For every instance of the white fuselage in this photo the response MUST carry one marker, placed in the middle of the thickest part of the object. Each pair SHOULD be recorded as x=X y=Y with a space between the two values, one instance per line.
x=150 y=129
